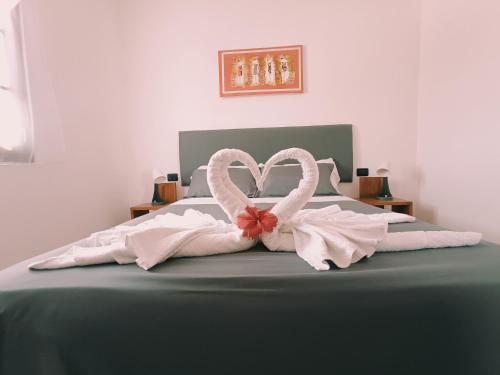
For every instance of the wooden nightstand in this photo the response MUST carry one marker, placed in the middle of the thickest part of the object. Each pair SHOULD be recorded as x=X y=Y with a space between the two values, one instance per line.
x=168 y=192
x=369 y=188
x=143 y=209
x=397 y=205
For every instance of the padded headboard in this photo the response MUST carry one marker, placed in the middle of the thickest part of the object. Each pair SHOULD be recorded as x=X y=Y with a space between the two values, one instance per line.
x=323 y=141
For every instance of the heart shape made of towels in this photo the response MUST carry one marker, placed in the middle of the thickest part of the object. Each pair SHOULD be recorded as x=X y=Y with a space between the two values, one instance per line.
x=319 y=236
x=235 y=203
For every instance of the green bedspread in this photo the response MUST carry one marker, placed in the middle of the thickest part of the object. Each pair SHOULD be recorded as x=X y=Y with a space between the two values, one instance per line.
x=258 y=312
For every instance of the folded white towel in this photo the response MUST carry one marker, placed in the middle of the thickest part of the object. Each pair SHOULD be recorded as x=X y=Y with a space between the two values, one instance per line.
x=401 y=241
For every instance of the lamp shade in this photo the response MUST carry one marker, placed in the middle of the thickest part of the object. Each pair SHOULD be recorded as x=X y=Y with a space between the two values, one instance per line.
x=158 y=176
x=383 y=169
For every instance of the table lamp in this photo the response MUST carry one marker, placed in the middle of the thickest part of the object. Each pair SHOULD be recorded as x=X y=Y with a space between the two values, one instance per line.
x=158 y=178
x=383 y=171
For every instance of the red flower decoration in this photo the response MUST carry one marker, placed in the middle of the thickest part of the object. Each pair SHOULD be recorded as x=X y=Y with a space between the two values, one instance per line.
x=256 y=221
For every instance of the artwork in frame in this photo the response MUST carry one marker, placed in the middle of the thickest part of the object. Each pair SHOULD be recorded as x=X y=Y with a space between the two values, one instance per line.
x=254 y=71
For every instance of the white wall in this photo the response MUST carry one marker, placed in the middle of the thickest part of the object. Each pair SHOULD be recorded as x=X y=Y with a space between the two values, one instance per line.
x=361 y=67
x=45 y=206
x=458 y=155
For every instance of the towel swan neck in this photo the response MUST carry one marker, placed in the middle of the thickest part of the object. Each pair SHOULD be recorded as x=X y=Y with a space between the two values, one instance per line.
x=298 y=197
x=232 y=200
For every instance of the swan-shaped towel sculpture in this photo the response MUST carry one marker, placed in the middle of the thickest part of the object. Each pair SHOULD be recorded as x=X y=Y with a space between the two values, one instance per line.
x=319 y=236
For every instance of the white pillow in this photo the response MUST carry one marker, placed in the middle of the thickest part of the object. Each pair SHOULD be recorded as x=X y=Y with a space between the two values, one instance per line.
x=231 y=166
x=334 y=177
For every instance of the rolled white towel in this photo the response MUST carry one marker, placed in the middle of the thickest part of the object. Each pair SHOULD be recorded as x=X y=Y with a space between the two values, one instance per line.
x=393 y=217
x=402 y=241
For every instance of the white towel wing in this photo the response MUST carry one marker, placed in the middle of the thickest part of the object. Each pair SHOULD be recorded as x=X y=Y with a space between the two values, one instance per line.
x=345 y=237
x=154 y=241
x=329 y=234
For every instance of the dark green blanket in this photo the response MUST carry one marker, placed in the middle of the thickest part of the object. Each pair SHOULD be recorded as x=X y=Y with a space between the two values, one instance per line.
x=257 y=312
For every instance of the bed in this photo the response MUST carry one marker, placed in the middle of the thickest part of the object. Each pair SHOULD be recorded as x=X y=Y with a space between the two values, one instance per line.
x=258 y=312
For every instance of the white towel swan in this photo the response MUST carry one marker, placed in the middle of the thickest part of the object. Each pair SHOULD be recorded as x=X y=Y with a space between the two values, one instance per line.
x=317 y=235
x=343 y=237
x=170 y=235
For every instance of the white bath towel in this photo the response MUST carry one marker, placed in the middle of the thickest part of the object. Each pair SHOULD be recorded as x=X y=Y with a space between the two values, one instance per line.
x=153 y=242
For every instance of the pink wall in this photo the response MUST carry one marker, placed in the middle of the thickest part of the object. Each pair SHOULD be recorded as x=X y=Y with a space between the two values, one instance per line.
x=361 y=67
x=458 y=155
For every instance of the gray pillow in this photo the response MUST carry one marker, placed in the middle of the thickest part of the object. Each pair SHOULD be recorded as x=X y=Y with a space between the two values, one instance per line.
x=242 y=177
x=283 y=179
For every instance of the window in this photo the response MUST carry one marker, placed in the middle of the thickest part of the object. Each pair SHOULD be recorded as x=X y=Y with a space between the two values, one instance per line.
x=16 y=144
x=4 y=68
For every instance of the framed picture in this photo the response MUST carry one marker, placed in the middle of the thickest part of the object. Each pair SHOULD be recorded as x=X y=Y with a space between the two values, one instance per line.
x=275 y=70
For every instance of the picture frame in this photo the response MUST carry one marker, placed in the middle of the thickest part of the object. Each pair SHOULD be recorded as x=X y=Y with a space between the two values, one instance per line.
x=256 y=71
